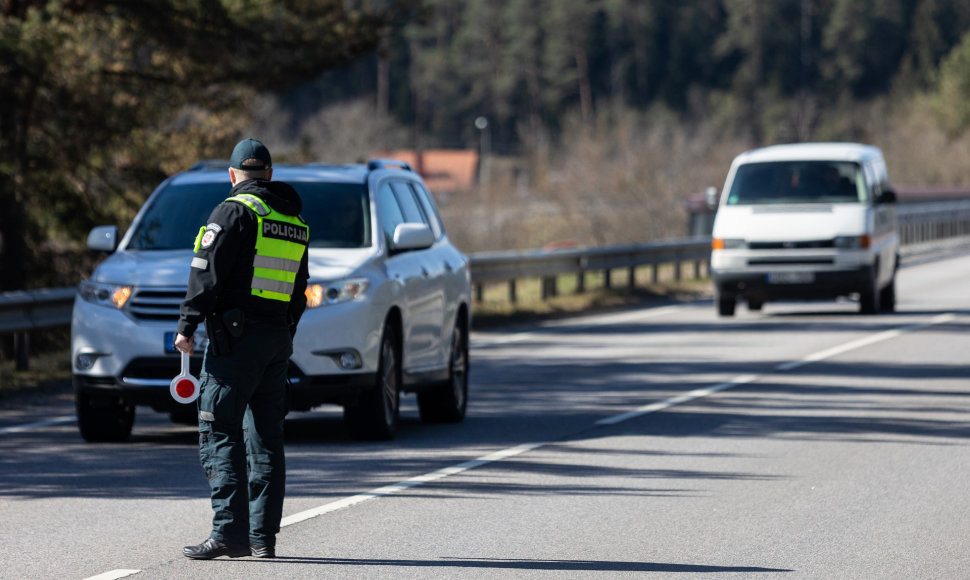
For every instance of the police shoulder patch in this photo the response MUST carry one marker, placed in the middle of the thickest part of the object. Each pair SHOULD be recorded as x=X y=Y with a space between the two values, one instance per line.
x=210 y=235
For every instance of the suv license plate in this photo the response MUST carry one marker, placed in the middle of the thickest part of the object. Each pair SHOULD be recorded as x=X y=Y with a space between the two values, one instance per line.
x=791 y=277
x=201 y=341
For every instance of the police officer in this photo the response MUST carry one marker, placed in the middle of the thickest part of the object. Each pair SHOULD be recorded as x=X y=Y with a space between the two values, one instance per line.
x=247 y=282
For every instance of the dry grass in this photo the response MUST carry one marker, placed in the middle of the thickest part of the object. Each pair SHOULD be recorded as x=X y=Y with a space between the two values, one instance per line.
x=49 y=373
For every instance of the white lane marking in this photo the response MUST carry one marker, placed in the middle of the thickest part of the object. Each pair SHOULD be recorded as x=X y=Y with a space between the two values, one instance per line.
x=646 y=409
x=114 y=575
x=526 y=447
x=37 y=425
x=661 y=405
x=864 y=341
x=744 y=379
x=408 y=483
x=595 y=320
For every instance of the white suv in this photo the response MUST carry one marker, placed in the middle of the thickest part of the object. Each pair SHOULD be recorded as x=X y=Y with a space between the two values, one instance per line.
x=388 y=302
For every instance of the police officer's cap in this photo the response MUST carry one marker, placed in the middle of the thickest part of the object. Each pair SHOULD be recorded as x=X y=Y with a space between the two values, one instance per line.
x=250 y=155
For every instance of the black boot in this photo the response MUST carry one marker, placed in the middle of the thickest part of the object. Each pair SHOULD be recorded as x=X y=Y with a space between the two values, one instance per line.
x=210 y=549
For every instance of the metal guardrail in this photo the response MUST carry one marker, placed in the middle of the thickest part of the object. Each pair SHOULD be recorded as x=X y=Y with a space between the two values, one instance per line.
x=921 y=225
x=490 y=267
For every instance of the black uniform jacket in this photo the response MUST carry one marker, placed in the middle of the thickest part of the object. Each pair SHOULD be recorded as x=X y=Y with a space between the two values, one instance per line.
x=222 y=269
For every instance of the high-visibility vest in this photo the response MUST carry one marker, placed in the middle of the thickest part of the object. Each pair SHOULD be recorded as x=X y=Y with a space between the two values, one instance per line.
x=280 y=244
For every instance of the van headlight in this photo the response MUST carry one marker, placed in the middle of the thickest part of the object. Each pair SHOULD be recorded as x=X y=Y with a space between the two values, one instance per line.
x=728 y=244
x=110 y=295
x=336 y=292
x=851 y=242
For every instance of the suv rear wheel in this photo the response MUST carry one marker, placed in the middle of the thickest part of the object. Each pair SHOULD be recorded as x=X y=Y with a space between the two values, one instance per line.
x=446 y=403
x=375 y=416
x=104 y=418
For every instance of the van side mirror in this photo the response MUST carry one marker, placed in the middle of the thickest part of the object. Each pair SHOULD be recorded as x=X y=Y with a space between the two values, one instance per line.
x=103 y=239
x=887 y=196
x=711 y=197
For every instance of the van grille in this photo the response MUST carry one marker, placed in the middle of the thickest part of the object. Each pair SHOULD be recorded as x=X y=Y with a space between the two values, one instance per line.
x=811 y=244
x=156 y=304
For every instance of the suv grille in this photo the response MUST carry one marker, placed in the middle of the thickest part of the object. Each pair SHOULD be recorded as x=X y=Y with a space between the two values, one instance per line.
x=156 y=304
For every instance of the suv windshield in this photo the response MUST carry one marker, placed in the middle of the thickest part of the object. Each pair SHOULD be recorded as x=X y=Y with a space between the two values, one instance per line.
x=338 y=215
x=797 y=182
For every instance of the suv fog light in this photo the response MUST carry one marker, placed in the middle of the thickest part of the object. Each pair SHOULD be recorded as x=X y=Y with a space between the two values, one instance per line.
x=85 y=360
x=349 y=360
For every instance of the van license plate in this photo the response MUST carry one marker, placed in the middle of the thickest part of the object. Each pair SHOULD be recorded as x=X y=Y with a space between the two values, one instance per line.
x=791 y=277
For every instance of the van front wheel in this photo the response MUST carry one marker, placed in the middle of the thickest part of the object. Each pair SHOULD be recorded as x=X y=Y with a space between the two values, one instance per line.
x=725 y=305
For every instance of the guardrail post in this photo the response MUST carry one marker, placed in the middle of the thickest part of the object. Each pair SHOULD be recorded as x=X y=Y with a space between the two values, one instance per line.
x=631 y=276
x=479 y=292
x=580 y=282
x=21 y=347
x=607 y=279
x=549 y=287
x=512 y=297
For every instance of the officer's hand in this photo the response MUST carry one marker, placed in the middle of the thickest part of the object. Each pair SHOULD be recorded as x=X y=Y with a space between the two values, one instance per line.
x=184 y=343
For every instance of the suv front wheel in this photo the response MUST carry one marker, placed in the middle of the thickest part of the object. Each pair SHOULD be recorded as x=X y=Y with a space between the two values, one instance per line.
x=375 y=415
x=105 y=418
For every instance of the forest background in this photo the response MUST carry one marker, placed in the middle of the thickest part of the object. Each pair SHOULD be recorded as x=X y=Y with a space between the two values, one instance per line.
x=602 y=115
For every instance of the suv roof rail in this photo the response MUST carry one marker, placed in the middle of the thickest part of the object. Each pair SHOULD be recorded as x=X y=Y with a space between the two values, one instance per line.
x=210 y=164
x=385 y=163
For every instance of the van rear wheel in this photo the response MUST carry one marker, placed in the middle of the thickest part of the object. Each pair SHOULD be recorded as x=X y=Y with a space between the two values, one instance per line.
x=869 y=301
x=887 y=297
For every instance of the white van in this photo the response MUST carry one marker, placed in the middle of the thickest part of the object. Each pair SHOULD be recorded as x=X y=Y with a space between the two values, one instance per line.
x=805 y=221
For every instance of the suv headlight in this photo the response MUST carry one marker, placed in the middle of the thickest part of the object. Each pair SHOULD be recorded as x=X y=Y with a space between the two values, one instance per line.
x=111 y=295
x=851 y=242
x=336 y=292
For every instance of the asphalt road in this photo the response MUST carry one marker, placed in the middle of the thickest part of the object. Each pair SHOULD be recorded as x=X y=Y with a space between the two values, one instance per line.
x=804 y=441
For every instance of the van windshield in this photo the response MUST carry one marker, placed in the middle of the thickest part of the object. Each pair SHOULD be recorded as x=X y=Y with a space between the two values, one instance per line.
x=783 y=182
x=338 y=215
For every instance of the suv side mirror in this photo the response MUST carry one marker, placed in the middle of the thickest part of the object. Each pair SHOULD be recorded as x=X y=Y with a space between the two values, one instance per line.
x=412 y=237
x=887 y=196
x=711 y=197
x=103 y=239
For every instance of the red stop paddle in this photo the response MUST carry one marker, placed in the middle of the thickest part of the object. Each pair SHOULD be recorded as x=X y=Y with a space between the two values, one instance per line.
x=184 y=387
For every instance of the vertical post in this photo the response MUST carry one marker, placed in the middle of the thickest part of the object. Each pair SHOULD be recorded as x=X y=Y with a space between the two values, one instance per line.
x=607 y=281
x=512 y=296
x=21 y=346
x=480 y=292
x=548 y=287
x=580 y=282
x=631 y=276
